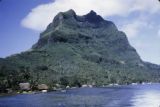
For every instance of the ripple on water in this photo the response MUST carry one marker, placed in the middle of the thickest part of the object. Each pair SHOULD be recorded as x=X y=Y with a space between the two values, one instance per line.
x=150 y=98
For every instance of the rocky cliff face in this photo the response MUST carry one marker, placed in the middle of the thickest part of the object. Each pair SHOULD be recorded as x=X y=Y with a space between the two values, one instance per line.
x=92 y=31
x=80 y=50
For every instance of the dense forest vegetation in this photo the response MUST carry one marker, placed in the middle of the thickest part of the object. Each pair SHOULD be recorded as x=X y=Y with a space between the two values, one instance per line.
x=76 y=50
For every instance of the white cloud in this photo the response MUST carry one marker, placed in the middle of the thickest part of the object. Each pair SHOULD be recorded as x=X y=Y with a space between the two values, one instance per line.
x=42 y=15
x=148 y=49
x=159 y=33
x=141 y=44
x=133 y=28
x=151 y=6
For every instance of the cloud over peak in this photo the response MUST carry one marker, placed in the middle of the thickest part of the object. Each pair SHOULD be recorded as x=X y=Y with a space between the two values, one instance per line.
x=43 y=14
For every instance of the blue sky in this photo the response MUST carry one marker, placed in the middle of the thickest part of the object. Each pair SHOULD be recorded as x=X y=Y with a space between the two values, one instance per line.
x=15 y=38
x=22 y=20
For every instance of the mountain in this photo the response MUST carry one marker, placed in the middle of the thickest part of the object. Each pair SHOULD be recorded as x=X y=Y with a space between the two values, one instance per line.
x=76 y=50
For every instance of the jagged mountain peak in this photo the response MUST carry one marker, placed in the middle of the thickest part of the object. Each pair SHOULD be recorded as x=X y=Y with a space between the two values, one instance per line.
x=60 y=17
x=70 y=12
x=67 y=26
x=73 y=18
x=88 y=30
x=92 y=12
x=93 y=17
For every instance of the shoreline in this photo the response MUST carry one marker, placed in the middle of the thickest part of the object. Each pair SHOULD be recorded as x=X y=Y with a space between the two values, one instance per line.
x=14 y=93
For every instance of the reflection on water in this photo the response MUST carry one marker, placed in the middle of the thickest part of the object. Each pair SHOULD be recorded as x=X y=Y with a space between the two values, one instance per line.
x=121 y=96
x=147 y=98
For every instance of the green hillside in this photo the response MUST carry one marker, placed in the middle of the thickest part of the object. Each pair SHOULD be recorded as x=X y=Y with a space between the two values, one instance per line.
x=76 y=50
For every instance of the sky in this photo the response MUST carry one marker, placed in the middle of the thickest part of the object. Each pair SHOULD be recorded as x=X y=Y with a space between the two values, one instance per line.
x=23 y=20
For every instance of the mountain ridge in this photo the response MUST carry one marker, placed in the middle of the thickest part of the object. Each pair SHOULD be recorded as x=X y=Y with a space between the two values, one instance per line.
x=77 y=50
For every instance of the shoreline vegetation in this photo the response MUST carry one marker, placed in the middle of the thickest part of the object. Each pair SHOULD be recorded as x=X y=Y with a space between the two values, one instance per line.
x=63 y=89
x=76 y=51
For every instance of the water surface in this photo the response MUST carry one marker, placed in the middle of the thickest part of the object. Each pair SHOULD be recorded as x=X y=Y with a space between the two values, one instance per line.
x=121 y=96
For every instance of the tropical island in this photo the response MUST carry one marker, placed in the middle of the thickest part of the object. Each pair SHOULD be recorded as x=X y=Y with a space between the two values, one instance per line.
x=75 y=51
